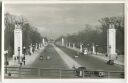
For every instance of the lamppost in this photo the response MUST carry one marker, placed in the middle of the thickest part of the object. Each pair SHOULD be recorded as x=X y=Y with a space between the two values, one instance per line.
x=93 y=49
x=62 y=41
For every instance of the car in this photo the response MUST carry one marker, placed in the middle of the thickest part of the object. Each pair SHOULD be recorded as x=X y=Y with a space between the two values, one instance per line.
x=79 y=71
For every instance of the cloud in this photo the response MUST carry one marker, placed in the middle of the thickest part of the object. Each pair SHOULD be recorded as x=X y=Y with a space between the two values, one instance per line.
x=61 y=19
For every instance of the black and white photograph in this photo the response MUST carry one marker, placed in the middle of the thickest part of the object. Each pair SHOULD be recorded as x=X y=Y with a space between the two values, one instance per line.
x=0 y=34
x=64 y=0
x=64 y=41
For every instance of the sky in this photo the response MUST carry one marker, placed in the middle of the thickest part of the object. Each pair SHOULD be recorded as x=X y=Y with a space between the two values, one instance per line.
x=54 y=20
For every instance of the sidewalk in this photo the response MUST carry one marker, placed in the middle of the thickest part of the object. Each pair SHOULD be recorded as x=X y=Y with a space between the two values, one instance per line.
x=29 y=59
x=119 y=61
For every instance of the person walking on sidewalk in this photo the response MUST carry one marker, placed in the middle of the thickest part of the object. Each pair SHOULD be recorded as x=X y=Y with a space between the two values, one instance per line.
x=24 y=61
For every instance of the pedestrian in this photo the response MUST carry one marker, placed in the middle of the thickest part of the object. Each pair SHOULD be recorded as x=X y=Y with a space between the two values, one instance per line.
x=7 y=63
x=23 y=58
x=24 y=50
x=24 y=61
x=20 y=64
x=33 y=49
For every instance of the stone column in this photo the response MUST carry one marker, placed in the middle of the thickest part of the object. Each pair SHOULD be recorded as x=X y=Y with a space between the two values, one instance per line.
x=43 y=42
x=31 y=49
x=93 y=49
x=111 y=42
x=18 y=42
x=81 y=47
x=62 y=42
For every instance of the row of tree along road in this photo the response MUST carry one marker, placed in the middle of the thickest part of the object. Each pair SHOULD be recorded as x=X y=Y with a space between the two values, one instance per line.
x=97 y=35
x=30 y=34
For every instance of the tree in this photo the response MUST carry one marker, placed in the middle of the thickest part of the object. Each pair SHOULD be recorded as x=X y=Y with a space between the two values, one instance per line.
x=98 y=35
x=30 y=33
x=119 y=26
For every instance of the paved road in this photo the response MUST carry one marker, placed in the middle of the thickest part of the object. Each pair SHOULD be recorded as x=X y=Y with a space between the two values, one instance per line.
x=64 y=58
x=91 y=62
x=119 y=60
x=67 y=59
x=55 y=60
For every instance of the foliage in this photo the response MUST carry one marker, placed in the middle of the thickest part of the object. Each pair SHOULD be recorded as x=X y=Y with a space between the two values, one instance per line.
x=98 y=35
x=30 y=33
